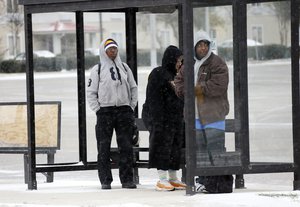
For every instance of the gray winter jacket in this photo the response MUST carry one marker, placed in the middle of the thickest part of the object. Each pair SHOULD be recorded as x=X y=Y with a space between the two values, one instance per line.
x=106 y=89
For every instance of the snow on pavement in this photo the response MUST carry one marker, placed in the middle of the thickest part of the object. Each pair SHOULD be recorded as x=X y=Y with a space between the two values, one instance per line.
x=72 y=191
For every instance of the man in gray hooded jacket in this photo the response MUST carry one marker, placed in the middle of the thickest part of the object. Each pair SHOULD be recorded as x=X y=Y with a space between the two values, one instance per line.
x=112 y=95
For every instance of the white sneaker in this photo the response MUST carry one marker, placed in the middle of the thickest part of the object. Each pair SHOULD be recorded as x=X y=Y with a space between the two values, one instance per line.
x=164 y=185
x=200 y=188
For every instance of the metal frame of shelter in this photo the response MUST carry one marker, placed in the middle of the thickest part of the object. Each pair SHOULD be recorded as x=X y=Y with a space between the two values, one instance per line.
x=239 y=125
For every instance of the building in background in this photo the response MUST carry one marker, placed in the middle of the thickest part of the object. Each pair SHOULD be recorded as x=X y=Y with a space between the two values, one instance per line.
x=11 y=33
x=55 y=32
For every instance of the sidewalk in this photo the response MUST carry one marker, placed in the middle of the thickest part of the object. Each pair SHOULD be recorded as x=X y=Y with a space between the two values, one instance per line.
x=83 y=189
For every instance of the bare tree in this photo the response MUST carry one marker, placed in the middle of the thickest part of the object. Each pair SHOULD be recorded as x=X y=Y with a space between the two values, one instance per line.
x=11 y=15
x=171 y=20
x=168 y=20
x=2 y=12
x=283 y=14
x=200 y=19
x=15 y=23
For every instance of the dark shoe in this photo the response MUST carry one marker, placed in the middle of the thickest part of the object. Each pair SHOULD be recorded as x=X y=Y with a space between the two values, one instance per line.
x=129 y=185
x=105 y=186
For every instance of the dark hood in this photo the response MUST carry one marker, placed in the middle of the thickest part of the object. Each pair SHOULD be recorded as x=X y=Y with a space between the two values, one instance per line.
x=170 y=58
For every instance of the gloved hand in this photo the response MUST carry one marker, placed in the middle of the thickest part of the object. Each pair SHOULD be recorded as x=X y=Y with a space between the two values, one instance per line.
x=199 y=94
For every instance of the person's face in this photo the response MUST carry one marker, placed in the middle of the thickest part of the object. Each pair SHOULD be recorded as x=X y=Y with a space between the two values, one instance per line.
x=112 y=52
x=202 y=49
x=179 y=63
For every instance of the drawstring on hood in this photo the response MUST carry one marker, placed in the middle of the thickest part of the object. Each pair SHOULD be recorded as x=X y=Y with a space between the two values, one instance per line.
x=105 y=61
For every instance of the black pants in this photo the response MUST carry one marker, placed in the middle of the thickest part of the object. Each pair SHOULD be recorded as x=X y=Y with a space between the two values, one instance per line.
x=120 y=119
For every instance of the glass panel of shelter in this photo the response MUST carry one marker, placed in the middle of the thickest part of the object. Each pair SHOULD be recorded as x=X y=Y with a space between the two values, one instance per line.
x=217 y=23
x=269 y=81
x=96 y=27
x=269 y=102
x=54 y=47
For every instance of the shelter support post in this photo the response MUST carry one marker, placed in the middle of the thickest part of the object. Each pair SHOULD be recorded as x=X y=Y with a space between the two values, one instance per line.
x=239 y=181
x=189 y=108
x=50 y=160
x=131 y=46
x=131 y=55
x=240 y=67
x=32 y=184
x=81 y=87
x=295 y=90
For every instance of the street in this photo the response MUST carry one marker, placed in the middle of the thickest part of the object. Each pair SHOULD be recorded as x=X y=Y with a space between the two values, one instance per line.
x=269 y=113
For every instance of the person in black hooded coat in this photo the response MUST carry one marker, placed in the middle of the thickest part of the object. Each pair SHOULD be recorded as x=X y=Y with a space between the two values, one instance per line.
x=166 y=115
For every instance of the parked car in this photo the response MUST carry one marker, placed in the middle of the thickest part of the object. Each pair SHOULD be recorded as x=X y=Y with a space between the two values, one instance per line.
x=250 y=43
x=36 y=53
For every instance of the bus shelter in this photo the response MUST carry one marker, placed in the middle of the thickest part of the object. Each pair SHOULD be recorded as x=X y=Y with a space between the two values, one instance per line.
x=235 y=162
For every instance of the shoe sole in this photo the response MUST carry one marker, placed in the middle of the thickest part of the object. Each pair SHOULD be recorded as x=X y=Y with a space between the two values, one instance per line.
x=180 y=188
x=163 y=189
x=204 y=192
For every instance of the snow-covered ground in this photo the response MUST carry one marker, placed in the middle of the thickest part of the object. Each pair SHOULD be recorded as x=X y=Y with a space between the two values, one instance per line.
x=270 y=139
x=82 y=189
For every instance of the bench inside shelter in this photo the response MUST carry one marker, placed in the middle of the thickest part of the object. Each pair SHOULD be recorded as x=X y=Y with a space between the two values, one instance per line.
x=14 y=134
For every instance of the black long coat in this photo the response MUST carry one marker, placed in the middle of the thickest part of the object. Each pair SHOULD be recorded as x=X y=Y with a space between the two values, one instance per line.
x=166 y=114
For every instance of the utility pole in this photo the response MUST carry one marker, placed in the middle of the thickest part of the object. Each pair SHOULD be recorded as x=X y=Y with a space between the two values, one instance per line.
x=207 y=28
x=153 y=53
x=100 y=27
